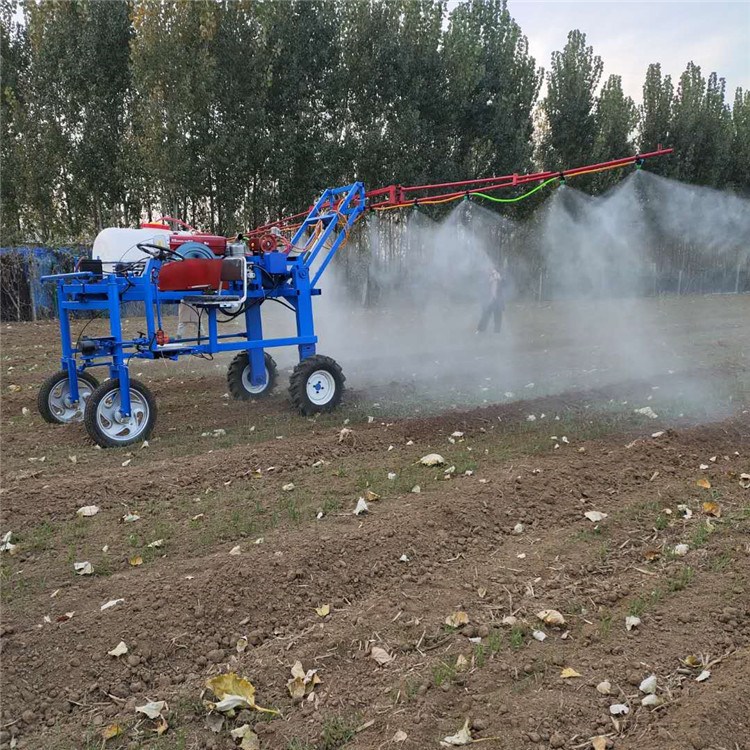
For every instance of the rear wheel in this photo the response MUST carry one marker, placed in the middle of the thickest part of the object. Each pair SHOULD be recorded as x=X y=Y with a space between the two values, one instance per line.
x=54 y=402
x=239 y=377
x=108 y=426
x=316 y=385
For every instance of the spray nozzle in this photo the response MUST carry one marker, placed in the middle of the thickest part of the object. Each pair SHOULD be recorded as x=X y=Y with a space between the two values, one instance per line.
x=561 y=177
x=467 y=195
x=639 y=162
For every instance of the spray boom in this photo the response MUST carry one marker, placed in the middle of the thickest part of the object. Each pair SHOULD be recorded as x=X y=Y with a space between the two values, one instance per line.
x=399 y=196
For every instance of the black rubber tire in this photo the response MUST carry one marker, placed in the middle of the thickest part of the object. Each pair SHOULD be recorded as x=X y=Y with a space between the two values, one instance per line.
x=42 y=400
x=92 y=426
x=298 y=384
x=234 y=377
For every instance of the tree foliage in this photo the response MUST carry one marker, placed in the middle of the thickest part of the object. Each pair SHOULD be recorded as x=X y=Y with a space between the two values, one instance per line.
x=228 y=113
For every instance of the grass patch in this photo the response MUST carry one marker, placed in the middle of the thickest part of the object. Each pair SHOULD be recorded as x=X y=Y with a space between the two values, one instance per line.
x=337 y=731
x=517 y=637
x=701 y=535
x=443 y=672
x=681 y=580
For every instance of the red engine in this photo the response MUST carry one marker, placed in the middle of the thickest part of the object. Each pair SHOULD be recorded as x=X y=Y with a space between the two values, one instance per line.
x=217 y=244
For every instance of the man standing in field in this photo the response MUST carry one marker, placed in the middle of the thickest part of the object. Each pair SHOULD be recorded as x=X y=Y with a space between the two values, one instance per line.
x=495 y=304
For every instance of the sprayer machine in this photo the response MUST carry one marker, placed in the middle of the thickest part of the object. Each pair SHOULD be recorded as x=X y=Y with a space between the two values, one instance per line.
x=222 y=280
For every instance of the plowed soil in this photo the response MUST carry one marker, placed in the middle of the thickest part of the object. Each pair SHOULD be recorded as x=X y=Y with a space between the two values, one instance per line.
x=246 y=527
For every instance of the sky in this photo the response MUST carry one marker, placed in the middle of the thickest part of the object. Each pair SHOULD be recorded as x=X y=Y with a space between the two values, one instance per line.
x=629 y=35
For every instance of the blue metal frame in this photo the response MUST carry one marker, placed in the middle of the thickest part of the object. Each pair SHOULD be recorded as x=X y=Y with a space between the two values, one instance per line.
x=276 y=275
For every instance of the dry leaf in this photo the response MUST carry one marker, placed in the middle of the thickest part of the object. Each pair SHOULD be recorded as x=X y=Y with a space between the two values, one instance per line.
x=135 y=561
x=648 y=685
x=130 y=518
x=703 y=676
x=361 y=507
x=432 y=459
x=235 y=550
x=88 y=510
x=619 y=709
x=604 y=687
x=632 y=622
x=462 y=737
x=568 y=673
x=120 y=649
x=595 y=516
x=83 y=568
x=599 y=743
x=704 y=483
x=551 y=617
x=371 y=496
x=652 y=554
x=323 y=610
x=215 y=722
x=651 y=700
x=249 y=740
x=509 y=620
x=288 y=487
x=481 y=592
x=380 y=655
x=302 y=683
x=113 y=730
x=400 y=736
x=161 y=726
x=692 y=661
x=685 y=511
x=234 y=692
x=111 y=603
x=461 y=663
x=152 y=709
x=457 y=619
x=6 y=546
x=680 y=550
x=711 y=508
x=155 y=544
x=416 y=489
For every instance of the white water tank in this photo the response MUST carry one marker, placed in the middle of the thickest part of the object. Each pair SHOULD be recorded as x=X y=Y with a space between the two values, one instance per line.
x=114 y=245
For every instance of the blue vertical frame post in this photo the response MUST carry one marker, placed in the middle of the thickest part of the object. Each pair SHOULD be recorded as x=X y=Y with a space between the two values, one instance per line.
x=119 y=368
x=254 y=332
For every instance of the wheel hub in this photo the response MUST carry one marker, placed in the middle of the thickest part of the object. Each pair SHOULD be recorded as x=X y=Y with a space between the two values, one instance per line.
x=321 y=387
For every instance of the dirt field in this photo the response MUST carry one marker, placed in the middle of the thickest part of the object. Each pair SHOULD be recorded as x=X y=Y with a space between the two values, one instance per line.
x=243 y=560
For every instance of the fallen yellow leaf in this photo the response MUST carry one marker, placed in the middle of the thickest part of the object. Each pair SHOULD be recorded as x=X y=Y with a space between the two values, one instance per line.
x=569 y=672
x=161 y=726
x=652 y=554
x=711 y=508
x=323 y=610
x=136 y=560
x=461 y=663
x=704 y=483
x=692 y=661
x=482 y=592
x=551 y=617
x=233 y=692
x=371 y=496
x=113 y=730
x=599 y=743
x=457 y=619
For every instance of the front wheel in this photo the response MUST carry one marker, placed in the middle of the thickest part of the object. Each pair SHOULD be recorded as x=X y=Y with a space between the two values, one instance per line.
x=54 y=401
x=108 y=426
x=316 y=385
x=239 y=377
